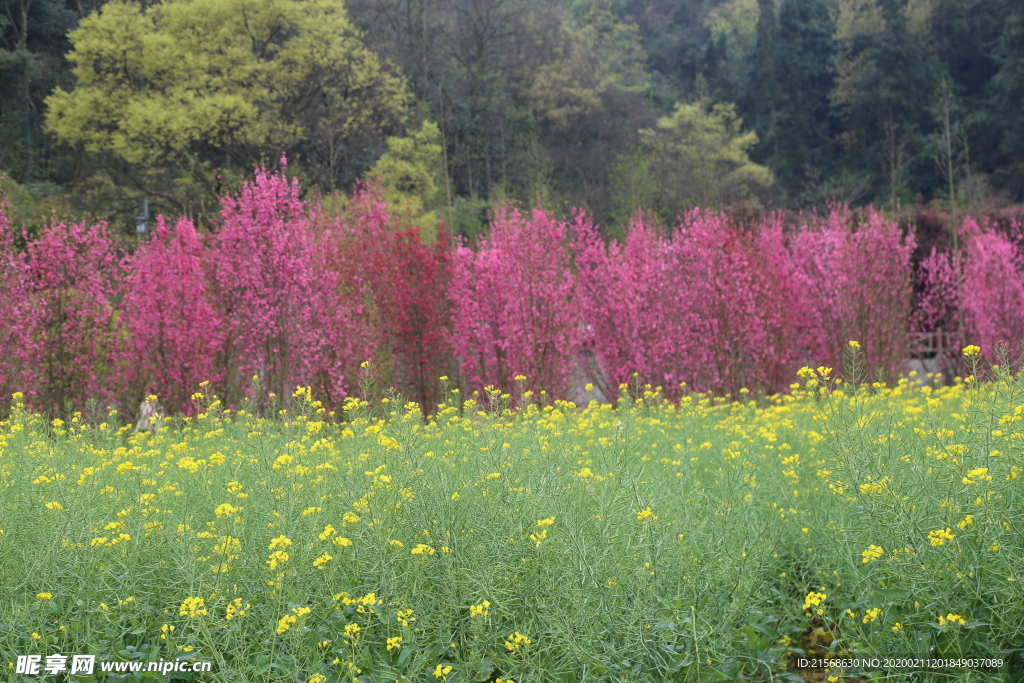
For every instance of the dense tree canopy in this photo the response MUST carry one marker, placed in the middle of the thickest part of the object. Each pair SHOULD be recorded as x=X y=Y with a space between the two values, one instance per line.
x=106 y=102
x=700 y=158
x=211 y=86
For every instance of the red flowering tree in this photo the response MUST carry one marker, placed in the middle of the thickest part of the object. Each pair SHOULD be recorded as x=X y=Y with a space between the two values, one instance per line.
x=266 y=288
x=68 y=356
x=515 y=309
x=13 y=313
x=993 y=289
x=857 y=282
x=174 y=330
x=411 y=298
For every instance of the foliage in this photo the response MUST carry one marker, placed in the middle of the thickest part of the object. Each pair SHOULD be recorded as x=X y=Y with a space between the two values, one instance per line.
x=174 y=331
x=210 y=88
x=802 y=149
x=694 y=540
x=857 y=283
x=411 y=175
x=71 y=331
x=514 y=304
x=700 y=157
x=882 y=78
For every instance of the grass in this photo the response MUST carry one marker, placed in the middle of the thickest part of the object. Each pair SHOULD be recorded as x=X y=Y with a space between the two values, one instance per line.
x=704 y=540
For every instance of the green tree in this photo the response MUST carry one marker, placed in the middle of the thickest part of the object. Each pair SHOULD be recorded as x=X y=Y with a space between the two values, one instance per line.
x=411 y=174
x=32 y=41
x=700 y=158
x=883 y=85
x=194 y=91
x=803 y=149
x=1009 y=98
x=632 y=187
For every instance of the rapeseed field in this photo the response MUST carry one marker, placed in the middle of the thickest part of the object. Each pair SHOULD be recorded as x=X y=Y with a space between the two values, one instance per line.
x=502 y=540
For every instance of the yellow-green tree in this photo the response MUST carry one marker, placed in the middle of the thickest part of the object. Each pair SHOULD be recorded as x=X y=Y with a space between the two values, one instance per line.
x=199 y=90
x=411 y=175
x=699 y=158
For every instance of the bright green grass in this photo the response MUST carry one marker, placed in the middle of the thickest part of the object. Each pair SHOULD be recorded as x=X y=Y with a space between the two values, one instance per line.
x=684 y=543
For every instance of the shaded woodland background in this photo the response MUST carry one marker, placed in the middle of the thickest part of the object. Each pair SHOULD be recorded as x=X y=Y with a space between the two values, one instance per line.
x=457 y=105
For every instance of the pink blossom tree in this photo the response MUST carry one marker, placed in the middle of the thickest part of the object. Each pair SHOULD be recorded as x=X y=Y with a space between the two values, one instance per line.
x=857 y=283
x=709 y=306
x=13 y=312
x=515 y=310
x=174 y=331
x=993 y=289
x=71 y=279
x=265 y=284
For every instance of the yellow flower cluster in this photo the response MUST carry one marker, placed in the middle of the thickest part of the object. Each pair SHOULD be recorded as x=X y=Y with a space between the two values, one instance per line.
x=235 y=609
x=871 y=615
x=192 y=607
x=872 y=553
x=516 y=641
x=289 y=620
x=977 y=475
x=647 y=515
x=276 y=558
x=940 y=536
x=814 y=599
x=480 y=610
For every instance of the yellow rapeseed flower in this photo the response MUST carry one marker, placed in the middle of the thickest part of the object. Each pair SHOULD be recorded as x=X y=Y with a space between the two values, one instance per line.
x=872 y=553
x=977 y=475
x=280 y=542
x=971 y=350
x=226 y=510
x=516 y=641
x=940 y=536
x=192 y=607
x=814 y=599
x=235 y=609
x=276 y=558
x=647 y=515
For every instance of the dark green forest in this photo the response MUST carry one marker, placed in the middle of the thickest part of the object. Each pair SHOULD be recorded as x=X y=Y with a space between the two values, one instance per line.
x=455 y=105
